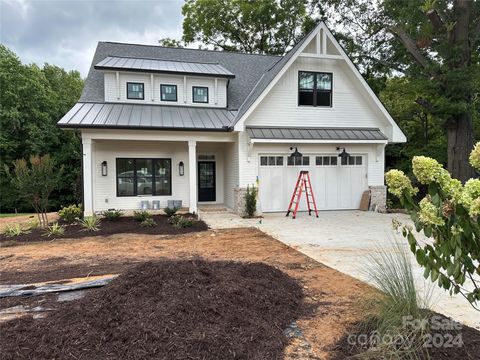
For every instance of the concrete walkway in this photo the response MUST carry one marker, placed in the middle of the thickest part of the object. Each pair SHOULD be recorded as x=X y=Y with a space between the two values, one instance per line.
x=343 y=240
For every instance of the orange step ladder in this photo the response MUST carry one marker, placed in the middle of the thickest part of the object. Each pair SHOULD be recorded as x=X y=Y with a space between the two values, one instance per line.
x=303 y=184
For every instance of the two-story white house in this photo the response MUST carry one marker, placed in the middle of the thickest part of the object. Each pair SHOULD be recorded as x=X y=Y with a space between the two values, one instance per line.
x=198 y=126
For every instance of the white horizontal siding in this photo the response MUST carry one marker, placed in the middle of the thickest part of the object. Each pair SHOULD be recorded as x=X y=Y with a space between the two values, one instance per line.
x=373 y=155
x=104 y=187
x=351 y=107
x=231 y=172
x=184 y=95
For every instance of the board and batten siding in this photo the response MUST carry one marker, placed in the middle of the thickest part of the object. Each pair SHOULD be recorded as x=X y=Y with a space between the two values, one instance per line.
x=351 y=105
x=105 y=188
x=184 y=94
x=374 y=155
x=231 y=172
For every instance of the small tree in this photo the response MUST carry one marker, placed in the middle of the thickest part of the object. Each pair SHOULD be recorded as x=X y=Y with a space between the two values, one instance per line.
x=35 y=180
x=449 y=214
x=251 y=201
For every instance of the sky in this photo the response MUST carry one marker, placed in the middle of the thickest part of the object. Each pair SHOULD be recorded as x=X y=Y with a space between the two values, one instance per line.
x=65 y=32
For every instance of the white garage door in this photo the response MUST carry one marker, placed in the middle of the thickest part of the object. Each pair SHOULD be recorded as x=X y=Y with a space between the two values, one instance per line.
x=337 y=184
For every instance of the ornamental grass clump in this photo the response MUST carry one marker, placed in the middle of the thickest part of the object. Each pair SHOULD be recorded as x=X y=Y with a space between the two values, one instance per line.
x=449 y=214
x=90 y=223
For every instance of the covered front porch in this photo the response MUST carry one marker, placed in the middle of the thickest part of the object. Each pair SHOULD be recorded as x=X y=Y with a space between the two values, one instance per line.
x=134 y=169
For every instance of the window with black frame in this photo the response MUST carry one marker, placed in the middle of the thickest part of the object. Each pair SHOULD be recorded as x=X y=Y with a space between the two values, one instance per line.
x=200 y=94
x=144 y=177
x=315 y=88
x=135 y=91
x=168 y=92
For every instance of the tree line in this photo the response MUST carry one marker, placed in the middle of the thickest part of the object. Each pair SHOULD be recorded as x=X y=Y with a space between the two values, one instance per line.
x=32 y=100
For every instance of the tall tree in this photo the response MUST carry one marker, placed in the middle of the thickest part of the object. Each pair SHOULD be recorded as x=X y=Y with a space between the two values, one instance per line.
x=261 y=27
x=32 y=100
x=436 y=41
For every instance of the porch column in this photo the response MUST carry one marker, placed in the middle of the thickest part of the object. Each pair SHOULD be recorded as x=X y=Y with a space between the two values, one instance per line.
x=87 y=177
x=192 y=174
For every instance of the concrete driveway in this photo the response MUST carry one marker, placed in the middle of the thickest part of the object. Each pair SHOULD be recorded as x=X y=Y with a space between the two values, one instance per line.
x=343 y=240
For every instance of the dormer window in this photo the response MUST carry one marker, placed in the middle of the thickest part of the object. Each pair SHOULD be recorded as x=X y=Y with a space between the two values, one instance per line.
x=200 y=94
x=135 y=91
x=168 y=92
x=315 y=88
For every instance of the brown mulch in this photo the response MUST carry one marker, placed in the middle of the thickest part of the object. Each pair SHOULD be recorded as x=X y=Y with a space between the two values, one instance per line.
x=167 y=309
x=125 y=224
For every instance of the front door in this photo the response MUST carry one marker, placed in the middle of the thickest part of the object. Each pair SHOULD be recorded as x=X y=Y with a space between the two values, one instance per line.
x=206 y=181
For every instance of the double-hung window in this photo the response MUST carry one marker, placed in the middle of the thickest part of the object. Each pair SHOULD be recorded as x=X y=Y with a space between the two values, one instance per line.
x=200 y=94
x=168 y=92
x=144 y=177
x=315 y=88
x=135 y=91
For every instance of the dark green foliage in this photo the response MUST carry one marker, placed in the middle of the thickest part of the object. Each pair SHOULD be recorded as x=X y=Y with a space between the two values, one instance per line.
x=32 y=100
x=170 y=211
x=112 y=214
x=141 y=215
x=71 y=213
x=251 y=201
x=34 y=181
x=180 y=222
x=149 y=222
x=261 y=27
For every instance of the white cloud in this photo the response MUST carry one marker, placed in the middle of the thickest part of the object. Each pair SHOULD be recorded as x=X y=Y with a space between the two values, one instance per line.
x=66 y=32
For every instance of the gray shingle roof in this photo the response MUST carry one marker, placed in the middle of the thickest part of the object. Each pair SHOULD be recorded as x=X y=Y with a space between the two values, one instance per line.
x=163 y=66
x=315 y=133
x=248 y=68
x=124 y=115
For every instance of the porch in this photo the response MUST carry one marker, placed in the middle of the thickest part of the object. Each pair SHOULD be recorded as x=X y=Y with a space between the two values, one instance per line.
x=131 y=170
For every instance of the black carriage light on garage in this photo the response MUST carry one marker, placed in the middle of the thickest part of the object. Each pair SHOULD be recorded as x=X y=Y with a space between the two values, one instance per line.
x=343 y=154
x=296 y=153
x=104 y=168
x=181 y=168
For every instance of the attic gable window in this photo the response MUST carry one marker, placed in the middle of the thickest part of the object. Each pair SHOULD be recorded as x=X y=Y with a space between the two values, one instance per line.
x=168 y=92
x=135 y=91
x=315 y=88
x=200 y=94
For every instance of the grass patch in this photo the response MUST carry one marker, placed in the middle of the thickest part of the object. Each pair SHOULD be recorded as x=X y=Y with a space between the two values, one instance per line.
x=15 y=215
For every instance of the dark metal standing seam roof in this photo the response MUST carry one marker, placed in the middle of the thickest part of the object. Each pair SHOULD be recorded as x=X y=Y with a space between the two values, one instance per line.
x=141 y=116
x=163 y=66
x=315 y=133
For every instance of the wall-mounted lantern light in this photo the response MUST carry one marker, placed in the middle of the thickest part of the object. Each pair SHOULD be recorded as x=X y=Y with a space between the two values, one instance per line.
x=296 y=153
x=181 y=168
x=104 y=168
x=343 y=154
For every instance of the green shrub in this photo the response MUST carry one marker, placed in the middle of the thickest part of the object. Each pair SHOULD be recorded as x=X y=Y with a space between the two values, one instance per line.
x=141 y=215
x=70 y=214
x=180 y=222
x=54 y=230
x=90 y=223
x=149 y=222
x=251 y=201
x=170 y=211
x=449 y=214
x=12 y=230
x=112 y=214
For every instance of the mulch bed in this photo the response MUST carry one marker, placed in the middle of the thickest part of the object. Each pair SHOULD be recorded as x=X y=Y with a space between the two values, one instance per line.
x=125 y=224
x=440 y=342
x=168 y=309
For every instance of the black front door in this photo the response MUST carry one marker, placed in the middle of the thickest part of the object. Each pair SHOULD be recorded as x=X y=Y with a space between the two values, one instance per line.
x=206 y=181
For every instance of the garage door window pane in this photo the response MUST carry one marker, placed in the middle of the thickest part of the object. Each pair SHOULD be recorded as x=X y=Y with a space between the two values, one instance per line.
x=271 y=160
x=318 y=160
x=358 y=160
x=333 y=160
x=326 y=160
x=344 y=160
x=280 y=160
x=351 y=160
x=263 y=160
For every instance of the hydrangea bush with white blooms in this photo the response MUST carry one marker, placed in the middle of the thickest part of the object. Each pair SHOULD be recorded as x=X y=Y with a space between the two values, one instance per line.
x=450 y=214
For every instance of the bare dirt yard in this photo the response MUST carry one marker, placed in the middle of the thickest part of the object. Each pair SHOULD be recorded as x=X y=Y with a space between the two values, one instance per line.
x=323 y=305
